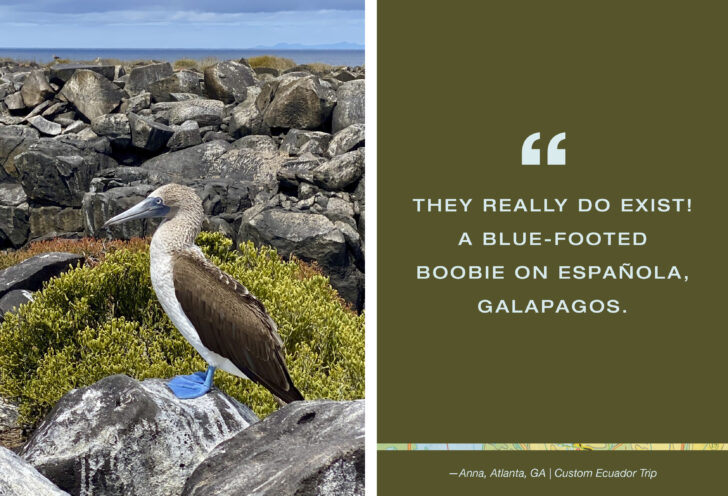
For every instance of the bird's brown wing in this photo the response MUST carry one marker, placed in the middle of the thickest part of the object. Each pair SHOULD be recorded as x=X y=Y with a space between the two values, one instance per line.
x=232 y=322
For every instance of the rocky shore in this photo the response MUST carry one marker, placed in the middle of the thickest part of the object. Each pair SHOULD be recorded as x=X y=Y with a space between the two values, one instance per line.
x=278 y=158
x=125 y=437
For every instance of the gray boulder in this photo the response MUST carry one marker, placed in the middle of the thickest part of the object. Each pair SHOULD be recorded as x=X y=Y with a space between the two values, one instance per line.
x=14 y=140
x=194 y=162
x=260 y=142
x=137 y=103
x=247 y=118
x=14 y=215
x=30 y=274
x=179 y=82
x=340 y=172
x=125 y=437
x=349 y=138
x=349 y=105
x=203 y=111
x=14 y=101
x=61 y=73
x=113 y=126
x=228 y=81
x=10 y=302
x=91 y=93
x=54 y=221
x=142 y=77
x=36 y=88
x=305 y=448
x=187 y=135
x=297 y=102
x=19 y=478
x=148 y=134
x=60 y=172
x=45 y=126
x=298 y=141
x=309 y=236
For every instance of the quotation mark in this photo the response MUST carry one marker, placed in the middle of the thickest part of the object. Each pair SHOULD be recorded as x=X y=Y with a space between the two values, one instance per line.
x=554 y=154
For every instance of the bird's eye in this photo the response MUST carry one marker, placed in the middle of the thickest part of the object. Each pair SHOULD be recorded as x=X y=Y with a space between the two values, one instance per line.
x=158 y=201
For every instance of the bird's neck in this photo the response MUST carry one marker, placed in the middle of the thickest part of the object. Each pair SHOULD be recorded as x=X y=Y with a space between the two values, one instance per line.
x=179 y=231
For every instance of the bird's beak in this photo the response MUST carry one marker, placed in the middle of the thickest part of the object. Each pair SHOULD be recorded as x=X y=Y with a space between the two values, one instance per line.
x=149 y=207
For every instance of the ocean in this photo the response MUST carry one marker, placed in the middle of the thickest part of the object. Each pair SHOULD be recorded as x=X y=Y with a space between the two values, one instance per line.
x=41 y=55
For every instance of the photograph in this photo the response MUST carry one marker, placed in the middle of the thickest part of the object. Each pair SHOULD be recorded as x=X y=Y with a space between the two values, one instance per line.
x=182 y=247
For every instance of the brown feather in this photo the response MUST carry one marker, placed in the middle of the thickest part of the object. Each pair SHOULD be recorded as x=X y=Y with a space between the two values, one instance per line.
x=232 y=322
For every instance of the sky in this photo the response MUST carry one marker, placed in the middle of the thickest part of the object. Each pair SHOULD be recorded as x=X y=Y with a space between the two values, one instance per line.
x=178 y=23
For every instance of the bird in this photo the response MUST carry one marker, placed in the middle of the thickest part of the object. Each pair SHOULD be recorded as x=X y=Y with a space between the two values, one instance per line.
x=228 y=326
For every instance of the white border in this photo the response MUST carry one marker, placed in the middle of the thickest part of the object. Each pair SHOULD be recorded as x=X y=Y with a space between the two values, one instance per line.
x=370 y=284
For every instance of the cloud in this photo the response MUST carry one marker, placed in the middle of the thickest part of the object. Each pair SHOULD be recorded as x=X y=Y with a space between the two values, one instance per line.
x=31 y=7
x=153 y=23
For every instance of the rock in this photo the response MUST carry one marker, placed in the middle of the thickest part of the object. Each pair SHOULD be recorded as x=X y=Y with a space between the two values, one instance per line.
x=148 y=134
x=305 y=448
x=179 y=82
x=36 y=88
x=340 y=172
x=31 y=273
x=45 y=126
x=308 y=236
x=10 y=302
x=55 y=109
x=14 y=140
x=142 y=77
x=246 y=118
x=187 y=135
x=297 y=102
x=56 y=221
x=137 y=103
x=258 y=142
x=228 y=81
x=61 y=73
x=298 y=169
x=204 y=112
x=92 y=94
x=113 y=126
x=19 y=478
x=298 y=141
x=192 y=162
x=344 y=75
x=124 y=437
x=14 y=215
x=14 y=101
x=59 y=172
x=349 y=105
x=181 y=97
x=216 y=136
x=76 y=127
x=8 y=411
x=38 y=109
x=349 y=138
x=267 y=70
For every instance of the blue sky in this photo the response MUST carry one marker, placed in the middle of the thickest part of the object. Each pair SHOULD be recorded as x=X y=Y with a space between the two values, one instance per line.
x=178 y=23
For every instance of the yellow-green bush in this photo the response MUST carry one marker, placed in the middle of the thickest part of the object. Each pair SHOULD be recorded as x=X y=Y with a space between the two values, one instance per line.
x=95 y=321
x=271 y=61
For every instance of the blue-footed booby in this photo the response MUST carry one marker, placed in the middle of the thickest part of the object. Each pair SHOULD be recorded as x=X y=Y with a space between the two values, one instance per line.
x=219 y=317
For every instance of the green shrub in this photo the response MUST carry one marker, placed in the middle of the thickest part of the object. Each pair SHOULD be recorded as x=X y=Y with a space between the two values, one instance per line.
x=94 y=321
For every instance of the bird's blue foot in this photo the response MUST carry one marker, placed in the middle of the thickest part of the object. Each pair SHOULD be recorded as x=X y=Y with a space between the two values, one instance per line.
x=193 y=385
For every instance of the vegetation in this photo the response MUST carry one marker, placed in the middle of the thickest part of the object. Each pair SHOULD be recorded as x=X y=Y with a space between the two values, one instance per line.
x=271 y=61
x=103 y=319
x=94 y=250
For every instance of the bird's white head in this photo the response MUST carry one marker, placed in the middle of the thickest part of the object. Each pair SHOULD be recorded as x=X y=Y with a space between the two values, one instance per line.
x=167 y=202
